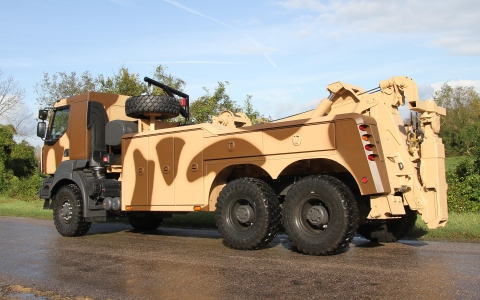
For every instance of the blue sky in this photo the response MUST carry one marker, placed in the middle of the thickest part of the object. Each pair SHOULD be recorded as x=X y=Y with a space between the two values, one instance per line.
x=284 y=53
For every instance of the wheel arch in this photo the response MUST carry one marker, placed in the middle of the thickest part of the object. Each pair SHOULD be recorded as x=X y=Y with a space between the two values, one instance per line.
x=75 y=177
x=231 y=172
x=287 y=175
x=319 y=166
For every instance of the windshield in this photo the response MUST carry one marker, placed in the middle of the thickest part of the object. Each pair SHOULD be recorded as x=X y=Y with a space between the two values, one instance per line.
x=59 y=124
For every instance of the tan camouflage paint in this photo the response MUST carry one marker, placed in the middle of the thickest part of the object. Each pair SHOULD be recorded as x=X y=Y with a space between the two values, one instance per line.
x=205 y=155
x=77 y=138
x=169 y=168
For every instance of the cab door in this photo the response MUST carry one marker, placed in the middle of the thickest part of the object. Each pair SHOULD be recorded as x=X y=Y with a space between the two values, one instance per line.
x=57 y=142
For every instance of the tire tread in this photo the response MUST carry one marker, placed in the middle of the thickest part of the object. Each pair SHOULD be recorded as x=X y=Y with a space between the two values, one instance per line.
x=350 y=214
x=141 y=107
x=79 y=226
x=270 y=227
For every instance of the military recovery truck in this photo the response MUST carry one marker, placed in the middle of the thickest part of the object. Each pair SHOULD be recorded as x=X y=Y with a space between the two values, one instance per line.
x=347 y=166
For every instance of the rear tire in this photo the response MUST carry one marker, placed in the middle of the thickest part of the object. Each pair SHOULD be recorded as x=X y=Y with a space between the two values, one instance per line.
x=248 y=214
x=145 y=221
x=68 y=212
x=142 y=107
x=320 y=215
x=389 y=231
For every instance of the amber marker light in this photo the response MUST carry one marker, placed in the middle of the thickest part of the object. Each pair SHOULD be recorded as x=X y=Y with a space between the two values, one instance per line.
x=364 y=179
x=365 y=137
x=196 y=208
x=128 y=207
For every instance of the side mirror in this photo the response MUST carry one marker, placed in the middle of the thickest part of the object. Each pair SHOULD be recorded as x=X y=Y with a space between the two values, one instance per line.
x=43 y=114
x=41 y=129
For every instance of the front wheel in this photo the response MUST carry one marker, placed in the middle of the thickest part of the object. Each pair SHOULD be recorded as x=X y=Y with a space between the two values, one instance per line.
x=248 y=214
x=320 y=215
x=68 y=212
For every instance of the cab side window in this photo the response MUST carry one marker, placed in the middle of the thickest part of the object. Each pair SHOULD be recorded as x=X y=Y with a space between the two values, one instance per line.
x=59 y=124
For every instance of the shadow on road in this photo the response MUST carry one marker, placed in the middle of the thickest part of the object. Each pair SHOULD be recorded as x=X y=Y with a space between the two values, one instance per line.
x=109 y=228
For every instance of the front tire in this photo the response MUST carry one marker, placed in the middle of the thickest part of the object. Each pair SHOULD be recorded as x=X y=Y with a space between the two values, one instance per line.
x=248 y=214
x=320 y=215
x=68 y=212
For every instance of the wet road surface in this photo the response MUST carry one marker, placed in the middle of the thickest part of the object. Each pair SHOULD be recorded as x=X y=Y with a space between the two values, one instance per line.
x=113 y=262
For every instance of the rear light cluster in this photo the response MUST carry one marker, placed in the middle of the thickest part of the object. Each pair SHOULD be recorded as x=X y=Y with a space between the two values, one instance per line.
x=183 y=102
x=368 y=142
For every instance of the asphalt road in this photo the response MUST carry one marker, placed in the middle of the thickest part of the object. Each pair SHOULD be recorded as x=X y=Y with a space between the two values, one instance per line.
x=113 y=262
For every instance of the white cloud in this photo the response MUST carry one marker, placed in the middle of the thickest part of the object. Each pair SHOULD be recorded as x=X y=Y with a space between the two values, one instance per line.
x=461 y=45
x=449 y=24
x=425 y=91
x=454 y=83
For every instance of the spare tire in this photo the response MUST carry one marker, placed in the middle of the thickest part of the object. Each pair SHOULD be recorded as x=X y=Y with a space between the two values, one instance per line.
x=142 y=107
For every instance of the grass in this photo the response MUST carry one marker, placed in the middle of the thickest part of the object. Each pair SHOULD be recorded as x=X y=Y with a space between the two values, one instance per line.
x=34 y=209
x=463 y=227
x=27 y=209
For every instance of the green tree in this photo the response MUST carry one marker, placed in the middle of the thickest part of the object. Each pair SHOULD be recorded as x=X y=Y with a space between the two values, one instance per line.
x=463 y=183
x=122 y=83
x=61 y=85
x=167 y=79
x=460 y=127
x=209 y=105
x=18 y=176
x=6 y=147
x=254 y=115
x=212 y=104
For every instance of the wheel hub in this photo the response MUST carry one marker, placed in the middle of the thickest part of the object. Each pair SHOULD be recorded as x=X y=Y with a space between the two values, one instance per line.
x=318 y=215
x=245 y=214
x=66 y=211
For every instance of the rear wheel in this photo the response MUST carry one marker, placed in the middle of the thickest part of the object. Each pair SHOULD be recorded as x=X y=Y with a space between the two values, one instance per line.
x=68 y=212
x=389 y=231
x=145 y=221
x=248 y=214
x=320 y=215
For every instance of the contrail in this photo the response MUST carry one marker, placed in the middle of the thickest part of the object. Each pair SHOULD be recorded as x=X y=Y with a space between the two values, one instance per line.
x=197 y=13
x=226 y=25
